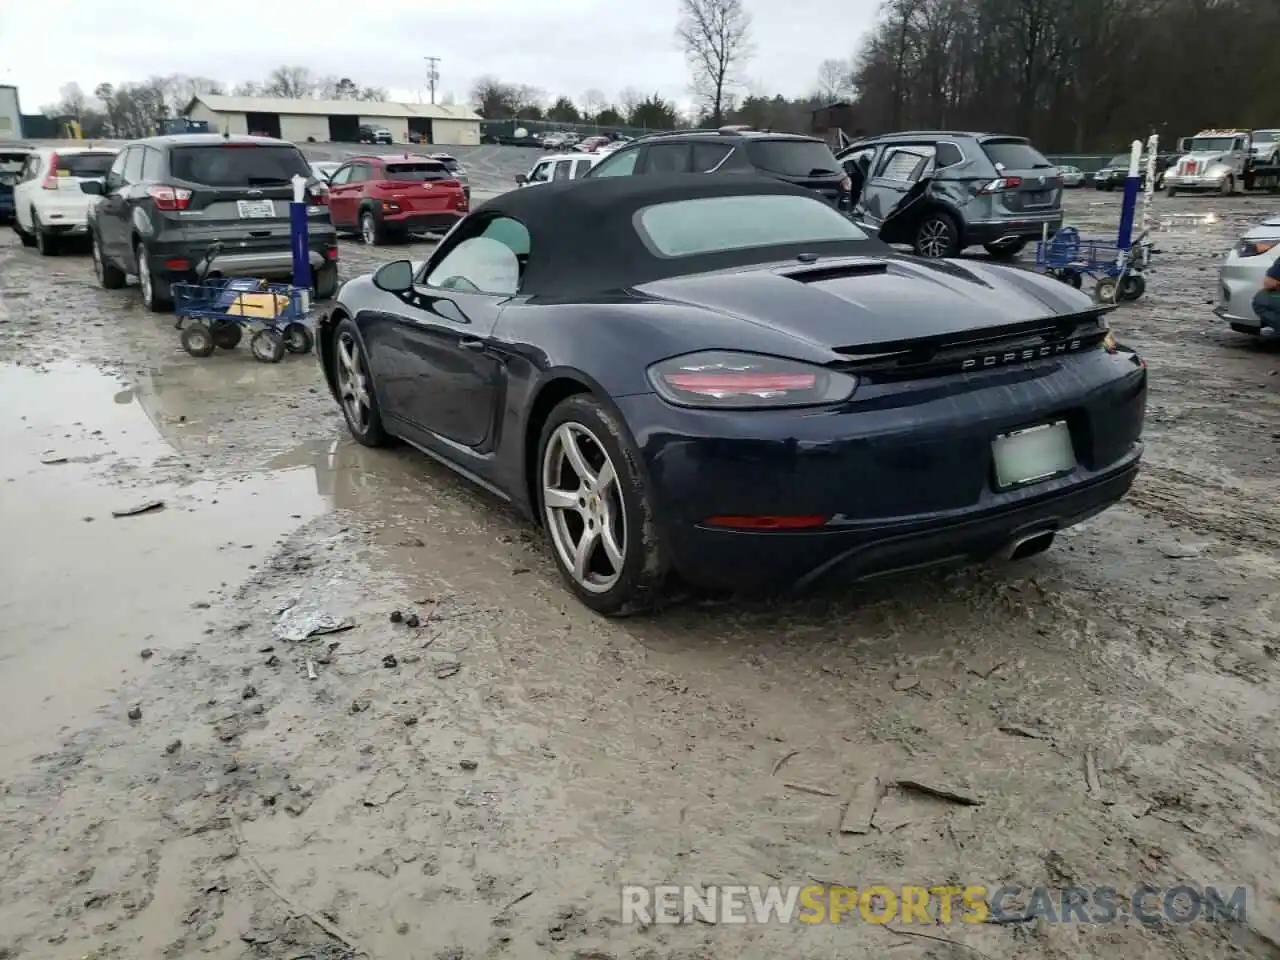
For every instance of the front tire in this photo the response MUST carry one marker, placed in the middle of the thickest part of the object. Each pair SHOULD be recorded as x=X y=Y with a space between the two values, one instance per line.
x=357 y=394
x=598 y=511
x=937 y=237
x=1228 y=186
x=371 y=231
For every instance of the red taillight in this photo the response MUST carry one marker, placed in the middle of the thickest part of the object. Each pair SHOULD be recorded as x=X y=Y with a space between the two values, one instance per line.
x=51 y=180
x=724 y=384
x=177 y=263
x=169 y=198
x=767 y=523
x=331 y=253
x=1002 y=184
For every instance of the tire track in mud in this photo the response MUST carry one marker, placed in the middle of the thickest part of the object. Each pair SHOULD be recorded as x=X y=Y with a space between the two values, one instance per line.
x=1205 y=506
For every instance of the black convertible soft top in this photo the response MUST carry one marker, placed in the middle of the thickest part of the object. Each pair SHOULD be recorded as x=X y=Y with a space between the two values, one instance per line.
x=583 y=239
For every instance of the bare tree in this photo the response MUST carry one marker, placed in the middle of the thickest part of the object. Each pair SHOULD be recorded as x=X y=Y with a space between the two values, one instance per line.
x=629 y=99
x=834 y=80
x=291 y=83
x=593 y=101
x=715 y=35
x=73 y=100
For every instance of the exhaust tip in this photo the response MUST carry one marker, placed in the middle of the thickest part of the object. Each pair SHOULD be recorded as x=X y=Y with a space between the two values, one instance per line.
x=1029 y=545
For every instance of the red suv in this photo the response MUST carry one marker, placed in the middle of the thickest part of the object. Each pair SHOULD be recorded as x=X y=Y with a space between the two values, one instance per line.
x=385 y=198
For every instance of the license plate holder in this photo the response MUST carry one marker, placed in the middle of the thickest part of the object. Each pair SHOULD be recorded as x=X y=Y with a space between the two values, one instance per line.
x=1039 y=198
x=255 y=209
x=1024 y=457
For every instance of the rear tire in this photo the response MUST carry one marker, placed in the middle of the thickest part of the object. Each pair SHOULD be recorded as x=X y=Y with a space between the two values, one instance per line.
x=298 y=338
x=371 y=231
x=1006 y=251
x=327 y=282
x=356 y=392
x=1171 y=191
x=624 y=563
x=155 y=292
x=46 y=243
x=226 y=334
x=1132 y=288
x=937 y=237
x=27 y=239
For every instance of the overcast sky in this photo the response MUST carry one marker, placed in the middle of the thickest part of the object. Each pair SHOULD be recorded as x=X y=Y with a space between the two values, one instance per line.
x=561 y=46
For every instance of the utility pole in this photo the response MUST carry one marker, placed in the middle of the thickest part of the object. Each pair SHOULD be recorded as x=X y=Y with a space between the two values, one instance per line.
x=433 y=75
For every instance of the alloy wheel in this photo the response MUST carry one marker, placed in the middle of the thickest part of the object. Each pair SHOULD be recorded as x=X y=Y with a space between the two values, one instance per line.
x=353 y=383
x=367 y=232
x=583 y=508
x=935 y=238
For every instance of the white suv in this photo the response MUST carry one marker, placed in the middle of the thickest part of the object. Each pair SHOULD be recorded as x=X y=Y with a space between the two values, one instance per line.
x=49 y=205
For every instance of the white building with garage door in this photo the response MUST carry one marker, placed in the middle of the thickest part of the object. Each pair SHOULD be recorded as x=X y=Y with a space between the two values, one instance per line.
x=336 y=121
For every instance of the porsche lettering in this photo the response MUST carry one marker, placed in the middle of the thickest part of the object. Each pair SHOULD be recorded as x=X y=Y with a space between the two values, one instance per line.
x=1014 y=356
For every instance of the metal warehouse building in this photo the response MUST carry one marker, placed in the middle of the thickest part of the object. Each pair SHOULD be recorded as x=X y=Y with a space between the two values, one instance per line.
x=335 y=121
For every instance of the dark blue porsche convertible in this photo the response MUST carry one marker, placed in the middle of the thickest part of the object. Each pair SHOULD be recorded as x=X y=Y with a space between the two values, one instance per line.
x=722 y=378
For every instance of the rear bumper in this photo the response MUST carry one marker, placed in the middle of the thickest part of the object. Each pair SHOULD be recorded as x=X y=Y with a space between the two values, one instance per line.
x=268 y=262
x=1029 y=227
x=422 y=222
x=901 y=479
x=1241 y=324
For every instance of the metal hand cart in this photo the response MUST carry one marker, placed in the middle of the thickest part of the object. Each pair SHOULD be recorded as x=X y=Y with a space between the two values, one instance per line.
x=1118 y=273
x=215 y=311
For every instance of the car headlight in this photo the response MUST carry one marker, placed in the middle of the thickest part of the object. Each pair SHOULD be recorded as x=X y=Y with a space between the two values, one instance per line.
x=1254 y=248
x=723 y=379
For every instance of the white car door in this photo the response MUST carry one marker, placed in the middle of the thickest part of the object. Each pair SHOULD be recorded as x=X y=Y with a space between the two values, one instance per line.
x=541 y=173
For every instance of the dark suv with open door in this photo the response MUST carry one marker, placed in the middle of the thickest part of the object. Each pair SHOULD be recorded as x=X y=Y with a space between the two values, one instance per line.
x=804 y=161
x=167 y=200
x=941 y=192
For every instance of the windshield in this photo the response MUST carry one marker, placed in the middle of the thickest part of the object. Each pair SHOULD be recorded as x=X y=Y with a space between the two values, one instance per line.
x=1211 y=144
x=417 y=172
x=234 y=165
x=1015 y=155
x=685 y=228
x=11 y=165
x=794 y=158
x=1119 y=160
x=1265 y=136
x=87 y=166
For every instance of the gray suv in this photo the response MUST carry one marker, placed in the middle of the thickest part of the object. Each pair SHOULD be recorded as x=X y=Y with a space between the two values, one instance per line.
x=941 y=191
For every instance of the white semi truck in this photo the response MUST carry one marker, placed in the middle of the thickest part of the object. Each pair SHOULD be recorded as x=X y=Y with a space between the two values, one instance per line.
x=1221 y=161
x=10 y=114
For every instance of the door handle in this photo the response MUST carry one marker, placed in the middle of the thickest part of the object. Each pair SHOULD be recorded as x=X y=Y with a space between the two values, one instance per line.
x=475 y=346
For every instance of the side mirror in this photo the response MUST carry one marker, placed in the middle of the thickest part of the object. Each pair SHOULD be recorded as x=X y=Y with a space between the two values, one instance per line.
x=522 y=178
x=94 y=187
x=394 y=277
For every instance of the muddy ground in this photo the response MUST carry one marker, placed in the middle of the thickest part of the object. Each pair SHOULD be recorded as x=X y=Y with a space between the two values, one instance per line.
x=174 y=784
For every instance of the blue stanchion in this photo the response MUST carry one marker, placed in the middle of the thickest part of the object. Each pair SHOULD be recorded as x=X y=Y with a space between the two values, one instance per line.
x=300 y=245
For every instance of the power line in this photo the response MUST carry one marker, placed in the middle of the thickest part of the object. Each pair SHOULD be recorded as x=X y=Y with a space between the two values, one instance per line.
x=433 y=75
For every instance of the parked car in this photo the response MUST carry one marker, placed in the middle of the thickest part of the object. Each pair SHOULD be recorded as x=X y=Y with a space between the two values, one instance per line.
x=805 y=161
x=457 y=169
x=943 y=192
x=555 y=140
x=778 y=396
x=564 y=166
x=371 y=134
x=1114 y=174
x=165 y=200
x=591 y=144
x=1071 y=176
x=1266 y=147
x=323 y=170
x=390 y=197
x=1240 y=276
x=615 y=143
x=49 y=207
x=12 y=162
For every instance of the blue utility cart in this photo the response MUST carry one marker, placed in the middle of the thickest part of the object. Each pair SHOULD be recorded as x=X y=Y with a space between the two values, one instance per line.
x=1118 y=272
x=214 y=312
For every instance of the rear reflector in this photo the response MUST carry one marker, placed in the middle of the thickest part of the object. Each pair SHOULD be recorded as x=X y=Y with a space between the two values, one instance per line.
x=177 y=263
x=766 y=522
x=331 y=253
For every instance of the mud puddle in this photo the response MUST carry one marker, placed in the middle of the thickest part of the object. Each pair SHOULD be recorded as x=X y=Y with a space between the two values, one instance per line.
x=86 y=591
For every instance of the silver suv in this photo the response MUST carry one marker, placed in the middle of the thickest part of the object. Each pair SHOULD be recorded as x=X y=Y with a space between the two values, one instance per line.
x=942 y=191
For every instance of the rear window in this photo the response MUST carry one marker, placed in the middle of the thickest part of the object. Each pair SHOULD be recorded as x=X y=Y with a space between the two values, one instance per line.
x=237 y=166
x=1264 y=136
x=687 y=228
x=87 y=166
x=793 y=158
x=416 y=172
x=1014 y=155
